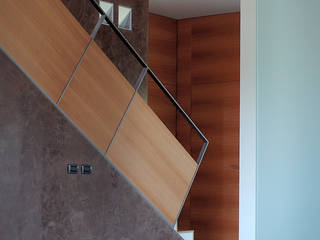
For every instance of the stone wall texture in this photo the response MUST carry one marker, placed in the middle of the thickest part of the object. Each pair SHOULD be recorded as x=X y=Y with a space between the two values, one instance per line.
x=39 y=200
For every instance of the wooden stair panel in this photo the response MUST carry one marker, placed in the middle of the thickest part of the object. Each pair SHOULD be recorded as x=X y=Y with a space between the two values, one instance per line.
x=97 y=97
x=44 y=38
x=153 y=159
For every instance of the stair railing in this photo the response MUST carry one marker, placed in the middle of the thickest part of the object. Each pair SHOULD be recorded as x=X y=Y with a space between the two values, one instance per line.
x=146 y=69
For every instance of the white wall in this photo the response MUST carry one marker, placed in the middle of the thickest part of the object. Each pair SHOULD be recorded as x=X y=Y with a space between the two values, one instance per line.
x=279 y=120
x=247 y=201
x=288 y=120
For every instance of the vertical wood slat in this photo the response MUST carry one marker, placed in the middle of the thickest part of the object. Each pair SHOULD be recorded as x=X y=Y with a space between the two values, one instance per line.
x=210 y=73
x=162 y=61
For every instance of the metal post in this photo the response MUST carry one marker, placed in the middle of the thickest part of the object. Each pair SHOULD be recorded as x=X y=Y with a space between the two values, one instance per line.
x=136 y=88
x=92 y=36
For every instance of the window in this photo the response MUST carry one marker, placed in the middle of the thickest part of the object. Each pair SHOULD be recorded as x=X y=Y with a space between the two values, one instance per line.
x=125 y=18
x=107 y=7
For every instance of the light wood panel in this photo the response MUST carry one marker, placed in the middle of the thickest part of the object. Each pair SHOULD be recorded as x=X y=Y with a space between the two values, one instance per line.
x=150 y=156
x=214 y=73
x=162 y=60
x=97 y=97
x=44 y=38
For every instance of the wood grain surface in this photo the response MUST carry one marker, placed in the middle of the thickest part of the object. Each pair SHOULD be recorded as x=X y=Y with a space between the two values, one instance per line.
x=44 y=38
x=162 y=61
x=152 y=158
x=184 y=91
x=209 y=78
x=97 y=97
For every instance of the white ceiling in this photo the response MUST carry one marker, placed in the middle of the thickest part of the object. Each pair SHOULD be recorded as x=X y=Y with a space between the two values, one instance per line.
x=180 y=9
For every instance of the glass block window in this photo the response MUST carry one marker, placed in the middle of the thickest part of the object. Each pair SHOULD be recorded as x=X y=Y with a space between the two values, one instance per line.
x=125 y=18
x=108 y=9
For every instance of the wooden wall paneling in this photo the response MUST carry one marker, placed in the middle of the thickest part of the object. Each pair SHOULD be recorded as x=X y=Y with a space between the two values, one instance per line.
x=162 y=60
x=184 y=53
x=184 y=66
x=97 y=97
x=152 y=158
x=215 y=108
x=208 y=78
x=47 y=45
x=236 y=44
x=215 y=192
x=213 y=49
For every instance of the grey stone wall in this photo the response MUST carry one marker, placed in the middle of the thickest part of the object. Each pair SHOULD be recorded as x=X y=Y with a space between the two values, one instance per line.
x=38 y=199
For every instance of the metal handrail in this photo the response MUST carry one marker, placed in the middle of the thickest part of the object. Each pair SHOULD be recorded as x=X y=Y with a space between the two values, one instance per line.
x=145 y=65
x=165 y=91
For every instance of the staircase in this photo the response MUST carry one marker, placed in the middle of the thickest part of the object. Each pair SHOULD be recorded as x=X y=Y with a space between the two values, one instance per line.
x=46 y=42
